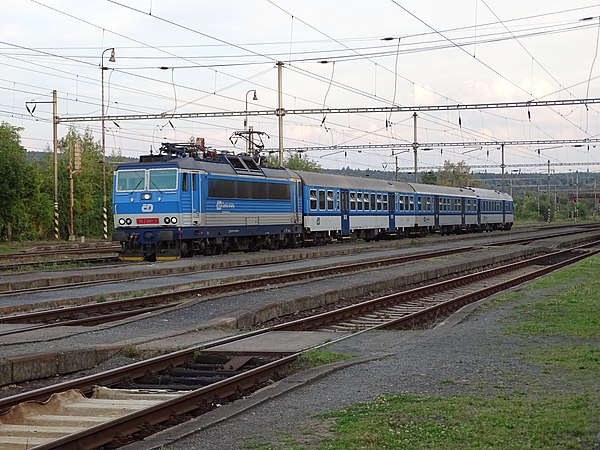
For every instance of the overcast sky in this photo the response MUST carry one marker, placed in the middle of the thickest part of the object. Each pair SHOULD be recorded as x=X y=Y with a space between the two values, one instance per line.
x=180 y=56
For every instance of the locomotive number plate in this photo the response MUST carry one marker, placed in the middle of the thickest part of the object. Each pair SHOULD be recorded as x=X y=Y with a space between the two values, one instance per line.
x=146 y=220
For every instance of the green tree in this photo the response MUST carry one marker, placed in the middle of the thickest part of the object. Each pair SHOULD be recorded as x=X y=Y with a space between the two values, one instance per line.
x=429 y=177
x=295 y=161
x=87 y=185
x=457 y=175
x=20 y=216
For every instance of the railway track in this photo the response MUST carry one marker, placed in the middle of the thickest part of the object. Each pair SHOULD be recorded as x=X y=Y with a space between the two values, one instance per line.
x=57 y=256
x=45 y=257
x=428 y=303
x=147 y=396
x=45 y=283
x=97 y=313
x=90 y=314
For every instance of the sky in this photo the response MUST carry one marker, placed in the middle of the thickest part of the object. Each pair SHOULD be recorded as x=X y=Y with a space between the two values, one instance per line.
x=198 y=56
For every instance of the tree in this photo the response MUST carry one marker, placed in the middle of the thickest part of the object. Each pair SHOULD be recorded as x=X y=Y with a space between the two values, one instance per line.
x=457 y=175
x=87 y=183
x=429 y=177
x=293 y=162
x=20 y=197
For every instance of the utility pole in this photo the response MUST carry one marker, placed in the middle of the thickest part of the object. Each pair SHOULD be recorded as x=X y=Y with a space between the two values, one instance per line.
x=502 y=166
x=104 y=209
x=549 y=204
x=415 y=144
x=280 y=112
x=55 y=146
x=576 y=195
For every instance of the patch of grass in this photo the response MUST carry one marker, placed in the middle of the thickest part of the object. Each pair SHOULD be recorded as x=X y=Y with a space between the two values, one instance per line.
x=131 y=351
x=412 y=422
x=314 y=358
x=570 y=313
x=584 y=360
x=500 y=300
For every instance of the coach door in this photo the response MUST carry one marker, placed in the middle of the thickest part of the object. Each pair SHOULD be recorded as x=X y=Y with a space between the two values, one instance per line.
x=345 y=212
x=436 y=211
x=392 y=212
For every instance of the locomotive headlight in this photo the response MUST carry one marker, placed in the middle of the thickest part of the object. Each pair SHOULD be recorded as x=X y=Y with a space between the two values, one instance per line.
x=167 y=220
x=146 y=196
x=173 y=220
x=121 y=221
x=128 y=221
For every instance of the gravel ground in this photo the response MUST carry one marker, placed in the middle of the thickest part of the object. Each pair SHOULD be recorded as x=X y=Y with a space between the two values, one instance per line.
x=466 y=355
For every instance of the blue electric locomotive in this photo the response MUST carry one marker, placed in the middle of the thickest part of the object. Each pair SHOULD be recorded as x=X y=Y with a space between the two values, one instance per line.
x=188 y=200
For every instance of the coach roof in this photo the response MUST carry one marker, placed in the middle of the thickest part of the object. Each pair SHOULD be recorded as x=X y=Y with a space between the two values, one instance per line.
x=328 y=180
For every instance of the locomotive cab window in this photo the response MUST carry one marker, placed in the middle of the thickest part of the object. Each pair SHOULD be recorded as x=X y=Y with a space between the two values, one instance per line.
x=184 y=182
x=130 y=180
x=162 y=179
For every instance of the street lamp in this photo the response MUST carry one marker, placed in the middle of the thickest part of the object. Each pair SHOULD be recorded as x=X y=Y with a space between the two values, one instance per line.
x=246 y=118
x=104 y=212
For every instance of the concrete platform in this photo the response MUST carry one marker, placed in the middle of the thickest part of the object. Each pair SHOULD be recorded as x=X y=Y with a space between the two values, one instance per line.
x=279 y=342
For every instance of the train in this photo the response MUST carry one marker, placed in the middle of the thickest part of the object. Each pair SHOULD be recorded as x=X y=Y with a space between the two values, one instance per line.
x=188 y=199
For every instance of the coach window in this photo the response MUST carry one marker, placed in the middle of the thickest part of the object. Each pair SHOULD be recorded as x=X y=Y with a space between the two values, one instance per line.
x=352 y=201
x=359 y=201
x=322 y=200
x=428 y=203
x=367 y=201
x=337 y=200
x=385 y=202
x=379 y=202
x=313 y=199
x=373 y=203
x=330 y=200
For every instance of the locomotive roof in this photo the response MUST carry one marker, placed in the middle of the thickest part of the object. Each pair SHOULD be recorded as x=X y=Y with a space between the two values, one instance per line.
x=349 y=182
x=206 y=165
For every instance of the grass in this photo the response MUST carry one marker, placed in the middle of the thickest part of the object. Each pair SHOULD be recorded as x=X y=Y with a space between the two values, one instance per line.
x=559 y=409
x=314 y=358
x=411 y=422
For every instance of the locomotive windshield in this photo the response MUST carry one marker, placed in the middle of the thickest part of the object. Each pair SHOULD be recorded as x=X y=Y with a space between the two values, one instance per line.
x=162 y=179
x=135 y=180
x=130 y=180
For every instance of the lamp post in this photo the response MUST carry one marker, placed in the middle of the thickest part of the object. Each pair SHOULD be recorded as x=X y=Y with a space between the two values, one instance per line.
x=246 y=119
x=104 y=212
